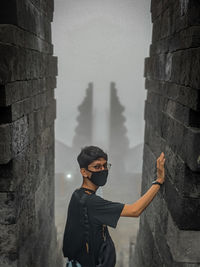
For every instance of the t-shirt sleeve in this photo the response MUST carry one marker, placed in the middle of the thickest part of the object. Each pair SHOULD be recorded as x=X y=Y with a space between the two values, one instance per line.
x=105 y=211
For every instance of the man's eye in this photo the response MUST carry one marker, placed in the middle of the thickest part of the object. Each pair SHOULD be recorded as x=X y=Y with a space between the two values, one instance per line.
x=100 y=166
x=97 y=166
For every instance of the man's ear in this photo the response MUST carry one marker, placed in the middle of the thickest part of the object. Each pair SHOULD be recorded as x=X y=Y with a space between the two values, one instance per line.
x=84 y=172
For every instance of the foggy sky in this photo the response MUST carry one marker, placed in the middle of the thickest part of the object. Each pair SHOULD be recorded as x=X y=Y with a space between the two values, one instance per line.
x=101 y=41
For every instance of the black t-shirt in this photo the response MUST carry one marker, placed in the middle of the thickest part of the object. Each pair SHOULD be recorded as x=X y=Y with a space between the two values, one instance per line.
x=100 y=212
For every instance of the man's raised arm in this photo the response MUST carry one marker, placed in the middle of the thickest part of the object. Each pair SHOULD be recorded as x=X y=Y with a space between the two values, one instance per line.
x=135 y=209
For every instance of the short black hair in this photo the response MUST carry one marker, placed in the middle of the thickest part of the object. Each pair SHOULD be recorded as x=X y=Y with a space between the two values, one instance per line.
x=88 y=154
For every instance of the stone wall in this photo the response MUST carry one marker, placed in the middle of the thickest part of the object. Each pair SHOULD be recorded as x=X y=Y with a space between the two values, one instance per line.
x=169 y=233
x=28 y=110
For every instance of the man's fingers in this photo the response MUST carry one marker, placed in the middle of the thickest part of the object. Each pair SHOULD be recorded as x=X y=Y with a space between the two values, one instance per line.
x=162 y=155
x=158 y=163
x=160 y=160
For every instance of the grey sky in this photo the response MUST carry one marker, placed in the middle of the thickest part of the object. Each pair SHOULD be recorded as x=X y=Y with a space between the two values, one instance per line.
x=101 y=41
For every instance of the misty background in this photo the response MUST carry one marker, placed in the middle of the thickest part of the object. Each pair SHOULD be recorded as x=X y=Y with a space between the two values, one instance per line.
x=101 y=46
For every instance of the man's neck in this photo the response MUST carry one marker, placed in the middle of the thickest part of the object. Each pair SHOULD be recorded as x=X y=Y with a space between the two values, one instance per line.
x=89 y=185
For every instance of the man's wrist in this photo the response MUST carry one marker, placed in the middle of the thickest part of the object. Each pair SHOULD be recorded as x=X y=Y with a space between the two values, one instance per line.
x=156 y=182
x=160 y=180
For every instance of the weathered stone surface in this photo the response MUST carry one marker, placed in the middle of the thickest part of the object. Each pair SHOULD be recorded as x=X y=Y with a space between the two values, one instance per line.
x=178 y=111
x=8 y=210
x=186 y=211
x=8 y=260
x=27 y=16
x=32 y=161
x=148 y=251
x=8 y=238
x=5 y=143
x=11 y=34
x=185 y=39
x=28 y=111
x=156 y=9
x=172 y=125
x=186 y=96
x=180 y=67
x=184 y=245
x=18 y=134
x=26 y=106
x=46 y=6
x=22 y=64
x=20 y=90
x=176 y=134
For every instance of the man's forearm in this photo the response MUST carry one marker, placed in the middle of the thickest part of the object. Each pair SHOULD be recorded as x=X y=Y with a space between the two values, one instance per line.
x=146 y=199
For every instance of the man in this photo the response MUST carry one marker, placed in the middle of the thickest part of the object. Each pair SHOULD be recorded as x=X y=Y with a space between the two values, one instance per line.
x=87 y=220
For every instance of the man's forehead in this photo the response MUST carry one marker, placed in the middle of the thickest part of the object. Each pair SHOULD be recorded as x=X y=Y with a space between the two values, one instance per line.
x=99 y=160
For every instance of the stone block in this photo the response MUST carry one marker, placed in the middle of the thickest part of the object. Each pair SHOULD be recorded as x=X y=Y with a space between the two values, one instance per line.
x=155 y=86
x=165 y=26
x=160 y=46
x=180 y=67
x=165 y=241
x=185 y=39
x=176 y=134
x=174 y=109
x=26 y=223
x=20 y=90
x=186 y=96
x=137 y=257
x=27 y=169
x=156 y=30
x=11 y=34
x=156 y=100
x=46 y=6
x=20 y=134
x=156 y=9
x=25 y=15
x=186 y=211
x=28 y=105
x=150 y=252
x=40 y=247
x=8 y=211
x=155 y=67
x=183 y=244
x=5 y=143
x=22 y=64
x=195 y=65
x=8 y=239
x=163 y=250
x=183 y=178
x=8 y=260
x=155 y=116
x=17 y=135
x=185 y=68
x=154 y=141
x=21 y=108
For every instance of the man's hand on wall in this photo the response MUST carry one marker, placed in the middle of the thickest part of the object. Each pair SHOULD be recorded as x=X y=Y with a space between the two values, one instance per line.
x=160 y=168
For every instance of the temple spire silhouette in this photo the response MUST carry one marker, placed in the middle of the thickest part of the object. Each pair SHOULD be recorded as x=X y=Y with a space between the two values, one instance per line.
x=83 y=131
x=118 y=141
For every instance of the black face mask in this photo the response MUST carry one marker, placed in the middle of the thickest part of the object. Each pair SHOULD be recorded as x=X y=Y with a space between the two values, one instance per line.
x=99 y=178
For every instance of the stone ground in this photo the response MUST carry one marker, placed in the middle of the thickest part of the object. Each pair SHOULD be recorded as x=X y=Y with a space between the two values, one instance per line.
x=126 y=229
